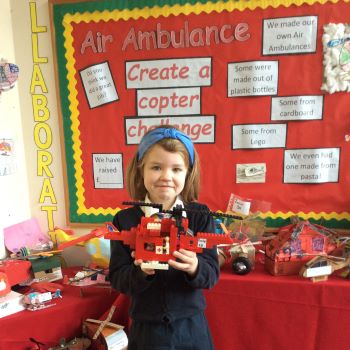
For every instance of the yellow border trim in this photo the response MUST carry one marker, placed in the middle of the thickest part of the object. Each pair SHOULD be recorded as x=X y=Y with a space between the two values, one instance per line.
x=155 y=12
x=310 y=215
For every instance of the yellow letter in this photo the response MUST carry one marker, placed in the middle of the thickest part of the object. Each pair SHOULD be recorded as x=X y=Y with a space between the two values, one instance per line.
x=49 y=210
x=44 y=160
x=48 y=135
x=33 y=18
x=37 y=80
x=36 y=58
x=37 y=107
x=47 y=191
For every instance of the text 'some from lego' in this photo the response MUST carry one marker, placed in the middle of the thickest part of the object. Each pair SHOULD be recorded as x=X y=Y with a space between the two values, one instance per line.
x=257 y=136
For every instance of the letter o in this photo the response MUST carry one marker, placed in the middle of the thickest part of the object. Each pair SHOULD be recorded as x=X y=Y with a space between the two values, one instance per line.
x=48 y=135
x=153 y=102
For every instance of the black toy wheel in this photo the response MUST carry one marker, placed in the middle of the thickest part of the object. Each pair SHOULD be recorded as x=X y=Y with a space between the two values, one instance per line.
x=241 y=265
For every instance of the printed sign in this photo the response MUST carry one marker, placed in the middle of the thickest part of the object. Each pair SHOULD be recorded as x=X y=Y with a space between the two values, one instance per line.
x=311 y=165
x=297 y=108
x=108 y=170
x=168 y=73
x=259 y=136
x=201 y=129
x=98 y=85
x=290 y=35
x=255 y=78
x=168 y=101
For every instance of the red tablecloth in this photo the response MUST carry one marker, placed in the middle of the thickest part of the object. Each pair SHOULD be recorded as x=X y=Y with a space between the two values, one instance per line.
x=63 y=320
x=260 y=311
x=253 y=312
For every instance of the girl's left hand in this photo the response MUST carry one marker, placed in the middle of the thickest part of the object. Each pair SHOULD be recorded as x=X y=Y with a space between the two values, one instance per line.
x=188 y=261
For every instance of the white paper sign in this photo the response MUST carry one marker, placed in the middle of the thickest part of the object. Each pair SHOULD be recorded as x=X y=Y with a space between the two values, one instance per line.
x=98 y=85
x=259 y=136
x=297 y=108
x=117 y=340
x=255 y=78
x=168 y=101
x=201 y=129
x=240 y=206
x=180 y=72
x=317 y=165
x=108 y=170
x=290 y=35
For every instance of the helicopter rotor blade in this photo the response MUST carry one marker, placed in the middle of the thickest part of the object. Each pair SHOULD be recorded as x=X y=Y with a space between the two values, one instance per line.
x=144 y=204
x=178 y=209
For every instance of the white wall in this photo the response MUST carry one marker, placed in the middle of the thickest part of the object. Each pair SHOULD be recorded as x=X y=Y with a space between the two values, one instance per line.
x=29 y=192
x=14 y=196
x=25 y=55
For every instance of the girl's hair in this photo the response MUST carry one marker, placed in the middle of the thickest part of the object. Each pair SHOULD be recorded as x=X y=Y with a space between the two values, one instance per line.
x=134 y=175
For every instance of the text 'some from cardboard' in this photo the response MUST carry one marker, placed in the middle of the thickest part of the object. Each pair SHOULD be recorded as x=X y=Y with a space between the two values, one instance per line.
x=297 y=108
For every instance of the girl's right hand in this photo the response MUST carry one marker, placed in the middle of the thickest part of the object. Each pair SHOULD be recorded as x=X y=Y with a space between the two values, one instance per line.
x=138 y=262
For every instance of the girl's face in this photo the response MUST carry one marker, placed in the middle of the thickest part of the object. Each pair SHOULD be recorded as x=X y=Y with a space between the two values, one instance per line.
x=164 y=175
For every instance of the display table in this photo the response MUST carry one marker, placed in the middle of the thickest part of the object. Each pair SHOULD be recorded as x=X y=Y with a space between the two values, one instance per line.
x=63 y=320
x=260 y=311
x=252 y=312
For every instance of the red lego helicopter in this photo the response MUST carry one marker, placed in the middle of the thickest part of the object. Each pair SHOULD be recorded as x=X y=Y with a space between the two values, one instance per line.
x=154 y=240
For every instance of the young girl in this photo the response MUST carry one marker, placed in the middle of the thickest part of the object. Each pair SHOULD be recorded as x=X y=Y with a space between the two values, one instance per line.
x=167 y=307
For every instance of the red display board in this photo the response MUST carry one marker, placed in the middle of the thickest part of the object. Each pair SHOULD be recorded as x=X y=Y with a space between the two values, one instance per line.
x=243 y=80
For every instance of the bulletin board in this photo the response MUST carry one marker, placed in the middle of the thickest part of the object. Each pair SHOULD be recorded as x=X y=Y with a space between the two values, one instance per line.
x=262 y=90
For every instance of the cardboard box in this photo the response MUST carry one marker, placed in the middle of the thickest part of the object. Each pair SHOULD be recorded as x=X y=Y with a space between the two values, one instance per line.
x=11 y=303
x=47 y=268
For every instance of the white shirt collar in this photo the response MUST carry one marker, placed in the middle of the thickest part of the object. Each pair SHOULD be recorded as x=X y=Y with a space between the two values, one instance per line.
x=149 y=211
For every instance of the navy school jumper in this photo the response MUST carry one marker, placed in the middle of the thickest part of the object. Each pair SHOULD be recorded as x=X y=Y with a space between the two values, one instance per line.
x=166 y=308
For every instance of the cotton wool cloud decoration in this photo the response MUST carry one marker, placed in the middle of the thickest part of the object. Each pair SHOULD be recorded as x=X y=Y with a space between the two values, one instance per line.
x=336 y=58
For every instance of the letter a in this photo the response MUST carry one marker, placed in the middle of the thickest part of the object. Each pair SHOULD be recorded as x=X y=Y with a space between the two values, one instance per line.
x=204 y=72
x=88 y=42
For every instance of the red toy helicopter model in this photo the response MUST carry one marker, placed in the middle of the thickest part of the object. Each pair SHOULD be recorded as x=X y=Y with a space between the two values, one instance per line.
x=154 y=240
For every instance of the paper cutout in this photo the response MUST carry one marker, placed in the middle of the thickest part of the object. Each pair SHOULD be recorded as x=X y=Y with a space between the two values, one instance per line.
x=24 y=234
x=8 y=76
x=251 y=173
x=8 y=165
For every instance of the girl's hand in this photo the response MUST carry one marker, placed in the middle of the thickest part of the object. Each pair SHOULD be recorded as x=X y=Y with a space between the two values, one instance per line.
x=188 y=261
x=138 y=262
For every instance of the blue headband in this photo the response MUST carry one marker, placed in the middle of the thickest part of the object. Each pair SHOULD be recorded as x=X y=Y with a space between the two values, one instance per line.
x=165 y=133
